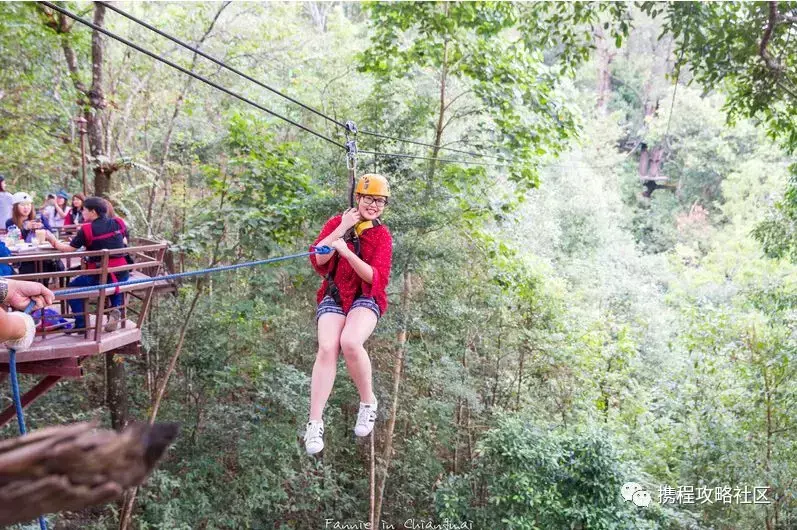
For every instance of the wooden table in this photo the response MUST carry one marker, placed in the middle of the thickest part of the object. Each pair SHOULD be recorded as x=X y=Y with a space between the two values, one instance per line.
x=34 y=249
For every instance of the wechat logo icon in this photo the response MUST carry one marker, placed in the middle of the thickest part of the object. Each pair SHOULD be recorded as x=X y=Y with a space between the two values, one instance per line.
x=631 y=491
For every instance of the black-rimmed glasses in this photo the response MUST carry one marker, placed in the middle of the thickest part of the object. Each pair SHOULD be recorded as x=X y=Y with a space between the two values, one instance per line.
x=379 y=201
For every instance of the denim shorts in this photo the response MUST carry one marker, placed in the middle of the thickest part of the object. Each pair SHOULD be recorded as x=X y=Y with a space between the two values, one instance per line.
x=328 y=305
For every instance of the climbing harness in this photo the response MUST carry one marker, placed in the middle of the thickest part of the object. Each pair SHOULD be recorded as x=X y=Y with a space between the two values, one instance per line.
x=353 y=234
x=116 y=261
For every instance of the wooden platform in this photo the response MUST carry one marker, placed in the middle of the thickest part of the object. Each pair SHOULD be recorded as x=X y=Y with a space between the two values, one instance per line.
x=62 y=345
x=58 y=352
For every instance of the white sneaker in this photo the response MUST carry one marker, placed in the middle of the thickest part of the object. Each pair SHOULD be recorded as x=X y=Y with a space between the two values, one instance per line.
x=365 y=419
x=314 y=437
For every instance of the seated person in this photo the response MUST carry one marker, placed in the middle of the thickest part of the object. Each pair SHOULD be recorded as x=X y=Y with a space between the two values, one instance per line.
x=23 y=216
x=74 y=216
x=98 y=233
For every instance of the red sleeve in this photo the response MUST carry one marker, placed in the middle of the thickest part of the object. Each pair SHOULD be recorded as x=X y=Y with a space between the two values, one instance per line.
x=380 y=258
x=68 y=218
x=331 y=225
x=122 y=225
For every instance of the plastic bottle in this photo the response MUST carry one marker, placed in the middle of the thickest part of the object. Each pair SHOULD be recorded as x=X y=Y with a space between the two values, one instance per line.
x=14 y=234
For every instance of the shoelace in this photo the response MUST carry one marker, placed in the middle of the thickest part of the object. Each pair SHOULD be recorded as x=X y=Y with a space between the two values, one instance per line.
x=314 y=430
x=366 y=415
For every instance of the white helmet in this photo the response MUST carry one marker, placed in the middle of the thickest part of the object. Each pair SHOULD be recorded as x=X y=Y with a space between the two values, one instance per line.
x=19 y=197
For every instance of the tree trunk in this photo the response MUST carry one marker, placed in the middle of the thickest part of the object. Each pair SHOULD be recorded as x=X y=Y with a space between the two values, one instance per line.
x=116 y=390
x=438 y=133
x=661 y=52
x=768 y=461
x=605 y=58
x=387 y=453
x=520 y=378
x=318 y=12
x=97 y=104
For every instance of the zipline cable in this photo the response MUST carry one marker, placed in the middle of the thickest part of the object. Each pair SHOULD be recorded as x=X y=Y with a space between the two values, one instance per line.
x=275 y=91
x=488 y=164
x=677 y=78
x=200 y=272
x=186 y=71
x=218 y=62
x=446 y=160
x=289 y=98
x=230 y=92
x=264 y=109
x=432 y=146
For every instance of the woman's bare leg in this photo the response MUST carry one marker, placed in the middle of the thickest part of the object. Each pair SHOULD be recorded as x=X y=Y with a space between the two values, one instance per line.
x=360 y=323
x=330 y=326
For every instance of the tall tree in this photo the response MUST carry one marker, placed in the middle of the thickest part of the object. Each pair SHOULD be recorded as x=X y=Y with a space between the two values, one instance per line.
x=91 y=98
x=493 y=84
x=92 y=101
x=748 y=51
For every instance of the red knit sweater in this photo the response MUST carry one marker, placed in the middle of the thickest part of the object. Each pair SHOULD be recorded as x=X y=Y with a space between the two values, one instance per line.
x=376 y=249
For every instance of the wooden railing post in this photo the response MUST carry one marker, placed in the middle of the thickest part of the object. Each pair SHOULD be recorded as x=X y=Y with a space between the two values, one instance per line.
x=101 y=301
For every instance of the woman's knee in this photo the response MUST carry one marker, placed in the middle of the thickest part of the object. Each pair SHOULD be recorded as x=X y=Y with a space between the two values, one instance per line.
x=327 y=353
x=350 y=345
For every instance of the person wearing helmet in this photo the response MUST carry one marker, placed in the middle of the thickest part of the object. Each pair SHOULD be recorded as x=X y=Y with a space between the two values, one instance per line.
x=351 y=300
x=5 y=202
x=24 y=217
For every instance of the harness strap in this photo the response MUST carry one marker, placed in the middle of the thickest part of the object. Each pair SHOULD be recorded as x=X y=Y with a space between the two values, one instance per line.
x=88 y=233
x=116 y=261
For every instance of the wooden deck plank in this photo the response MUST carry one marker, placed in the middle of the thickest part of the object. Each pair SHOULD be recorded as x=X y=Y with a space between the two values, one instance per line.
x=64 y=346
x=63 y=367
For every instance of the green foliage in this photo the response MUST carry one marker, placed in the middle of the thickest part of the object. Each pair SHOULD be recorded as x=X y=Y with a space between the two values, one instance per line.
x=470 y=42
x=746 y=50
x=527 y=476
x=259 y=199
x=36 y=136
x=564 y=335
x=778 y=234
x=727 y=52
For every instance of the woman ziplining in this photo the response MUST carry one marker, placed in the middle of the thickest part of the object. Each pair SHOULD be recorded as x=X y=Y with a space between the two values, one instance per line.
x=351 y=300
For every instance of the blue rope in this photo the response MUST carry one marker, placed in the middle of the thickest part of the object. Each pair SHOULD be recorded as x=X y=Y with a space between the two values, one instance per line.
x=200 y=272
x=12 y=372
x=12 y=354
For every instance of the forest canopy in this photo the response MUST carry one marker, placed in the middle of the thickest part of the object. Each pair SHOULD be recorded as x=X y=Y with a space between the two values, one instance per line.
x=594 y=280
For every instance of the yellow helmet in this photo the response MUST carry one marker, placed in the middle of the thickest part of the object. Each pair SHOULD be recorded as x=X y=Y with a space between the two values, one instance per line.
x=373 y=184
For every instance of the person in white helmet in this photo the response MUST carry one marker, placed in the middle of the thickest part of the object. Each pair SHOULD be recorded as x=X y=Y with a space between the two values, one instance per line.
x=24 y=216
